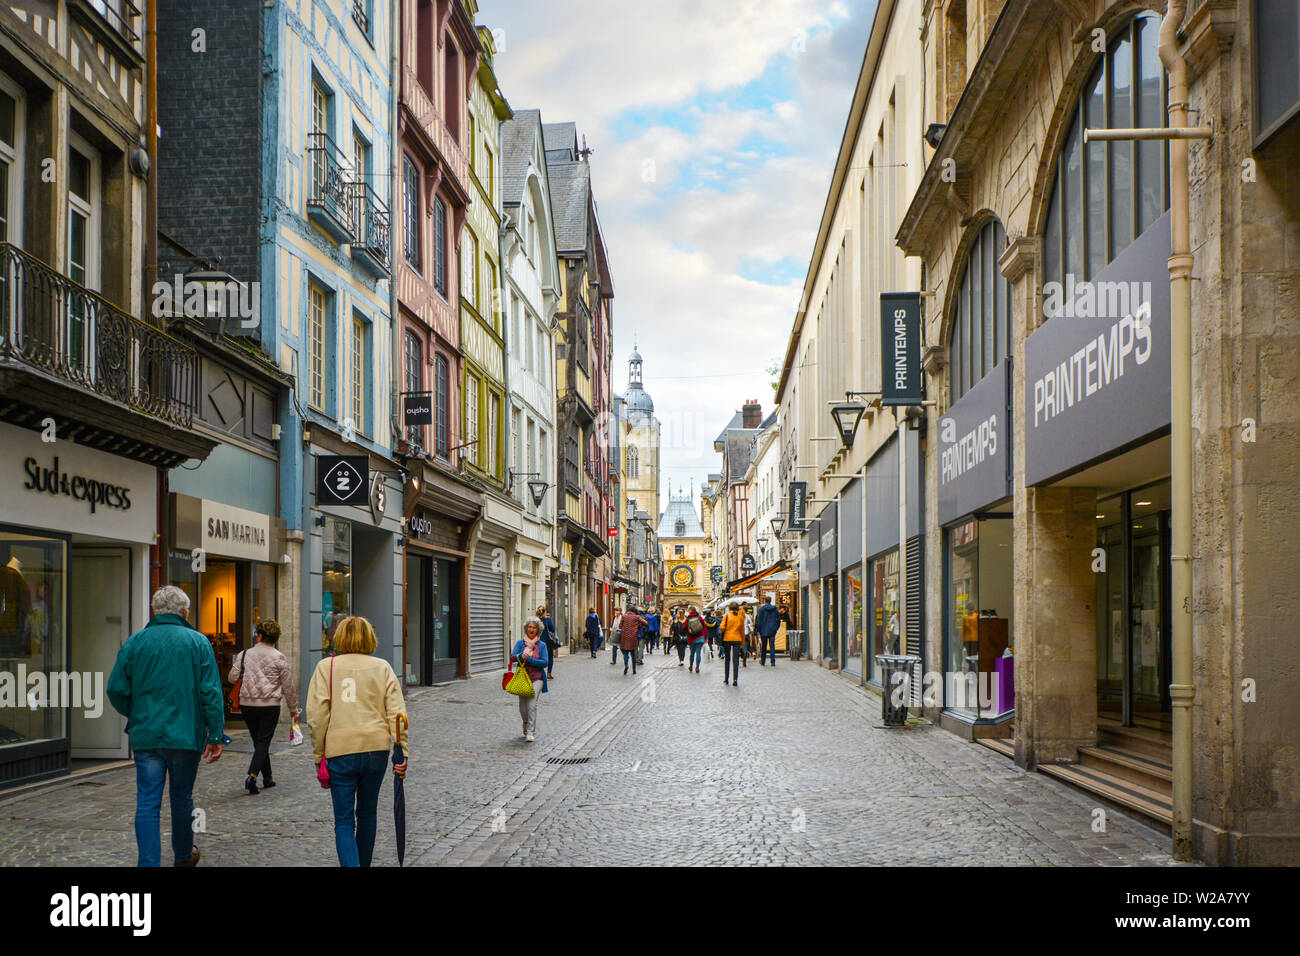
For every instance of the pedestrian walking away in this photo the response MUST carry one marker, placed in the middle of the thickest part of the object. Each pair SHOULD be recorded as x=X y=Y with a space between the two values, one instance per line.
x=733 y=642
x=642 y=640
x=615 y=633
x=748 y=646
x=533 y=655
x=678 y=635
x=711 y=621
x=593 y=631
x=767 y=622
x=697 y=635
x=632 y=627
x=353 y=731
x=165 y=683
x=264 y=678
x=550 y=637
x=652 y=628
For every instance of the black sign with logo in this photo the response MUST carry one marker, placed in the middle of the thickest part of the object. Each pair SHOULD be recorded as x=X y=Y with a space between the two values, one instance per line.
x=748 y=564
x=342 y=479
x=715 y=573
x=900 y=349
x=417 y=410
x=798 y=506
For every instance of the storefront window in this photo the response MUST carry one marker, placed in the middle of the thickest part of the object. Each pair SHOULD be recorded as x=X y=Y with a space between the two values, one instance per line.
x=884 y=609
x=979 y=678
x=336 y=578
x=853 y=596
x=33 y=618
x=830 y=636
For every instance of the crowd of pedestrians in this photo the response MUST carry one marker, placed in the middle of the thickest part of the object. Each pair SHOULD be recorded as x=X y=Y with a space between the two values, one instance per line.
x=165 y=682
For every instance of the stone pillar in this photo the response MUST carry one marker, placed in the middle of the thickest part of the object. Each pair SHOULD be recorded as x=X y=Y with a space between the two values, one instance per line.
x=1056 y=624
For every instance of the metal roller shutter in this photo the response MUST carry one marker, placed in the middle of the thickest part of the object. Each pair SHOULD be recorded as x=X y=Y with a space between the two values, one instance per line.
x=915 y=614
x=487 y=650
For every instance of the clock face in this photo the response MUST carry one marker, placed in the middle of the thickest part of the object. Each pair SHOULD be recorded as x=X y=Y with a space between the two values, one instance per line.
x=683 y=576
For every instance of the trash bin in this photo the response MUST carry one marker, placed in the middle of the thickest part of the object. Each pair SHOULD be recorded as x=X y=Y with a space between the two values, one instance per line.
x=895 y=687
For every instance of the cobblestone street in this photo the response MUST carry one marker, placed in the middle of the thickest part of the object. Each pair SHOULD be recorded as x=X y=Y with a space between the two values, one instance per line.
x=669 y=767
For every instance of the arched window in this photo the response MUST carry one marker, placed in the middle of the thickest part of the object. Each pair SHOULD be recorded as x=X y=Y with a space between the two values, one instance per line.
x=981 y=333
x=1105 y=195
x=633 y=462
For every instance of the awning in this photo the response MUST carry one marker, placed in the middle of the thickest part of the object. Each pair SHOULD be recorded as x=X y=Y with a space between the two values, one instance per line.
x=741 y=583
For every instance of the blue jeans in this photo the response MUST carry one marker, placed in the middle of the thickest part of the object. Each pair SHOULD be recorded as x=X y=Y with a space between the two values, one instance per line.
x=151 y=770
x=696 y=649
x=629 y=655
x=355 y=781
x=768 y=643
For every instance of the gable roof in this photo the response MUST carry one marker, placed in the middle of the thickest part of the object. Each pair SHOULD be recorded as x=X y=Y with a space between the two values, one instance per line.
x=682 y=509
x=518 y=135
x=562 y=140
x=570 y=192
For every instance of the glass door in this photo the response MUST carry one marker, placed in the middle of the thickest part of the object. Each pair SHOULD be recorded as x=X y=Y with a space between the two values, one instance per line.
x=1149 y=678
x=444 y=632
x=99 y=622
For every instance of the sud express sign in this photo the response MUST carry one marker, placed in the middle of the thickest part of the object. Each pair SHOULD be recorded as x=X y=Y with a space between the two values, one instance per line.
x=55 y=481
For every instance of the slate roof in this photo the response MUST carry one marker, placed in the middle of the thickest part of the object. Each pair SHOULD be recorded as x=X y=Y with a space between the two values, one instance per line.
x=740 y=452
x=684 y=509
x=736 y=421
x=562 y=140
x=570 y=195
x=518 y=134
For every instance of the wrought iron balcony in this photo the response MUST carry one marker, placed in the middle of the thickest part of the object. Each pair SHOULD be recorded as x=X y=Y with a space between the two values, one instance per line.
x=122 y=16
x=360 y=17
x=370 y=224
x=50 y=323
x=329 y=200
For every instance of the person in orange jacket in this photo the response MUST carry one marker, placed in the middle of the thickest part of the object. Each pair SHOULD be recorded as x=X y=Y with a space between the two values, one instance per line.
x=733 y=642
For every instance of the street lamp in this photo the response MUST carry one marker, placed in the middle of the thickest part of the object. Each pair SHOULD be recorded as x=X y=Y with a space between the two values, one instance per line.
x=762 y=543
x=847 y=415
x=778 y=526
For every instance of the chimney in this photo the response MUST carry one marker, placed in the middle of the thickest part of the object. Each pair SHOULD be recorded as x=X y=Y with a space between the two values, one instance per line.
x=751 y=414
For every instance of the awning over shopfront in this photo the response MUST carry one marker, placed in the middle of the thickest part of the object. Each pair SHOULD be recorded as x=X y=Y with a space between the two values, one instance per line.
x=741 y=583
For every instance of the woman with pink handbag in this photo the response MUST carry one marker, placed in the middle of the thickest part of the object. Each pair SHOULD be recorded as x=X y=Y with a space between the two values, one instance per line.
x=352 y=705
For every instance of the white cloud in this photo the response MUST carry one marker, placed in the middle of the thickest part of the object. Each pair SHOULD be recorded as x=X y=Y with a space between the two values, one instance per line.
x=739 y=193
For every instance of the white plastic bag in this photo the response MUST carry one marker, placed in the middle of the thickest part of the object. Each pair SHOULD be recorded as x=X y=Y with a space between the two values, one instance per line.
x=295 y=734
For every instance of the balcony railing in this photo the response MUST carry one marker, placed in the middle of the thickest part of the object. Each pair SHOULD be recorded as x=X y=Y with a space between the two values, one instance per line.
x=360 y=17
x=345 y=206
x=370 y=225
x=51 y=323
x=329 y=202
x=122 y=16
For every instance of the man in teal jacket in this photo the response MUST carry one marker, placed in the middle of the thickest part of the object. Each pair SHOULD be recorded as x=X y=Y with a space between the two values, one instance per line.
x=165 y=684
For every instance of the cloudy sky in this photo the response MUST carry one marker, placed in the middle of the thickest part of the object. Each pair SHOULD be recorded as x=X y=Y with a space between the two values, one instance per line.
x=714 y=128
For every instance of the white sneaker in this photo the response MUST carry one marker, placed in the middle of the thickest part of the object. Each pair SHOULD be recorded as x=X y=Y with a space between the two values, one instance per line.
x=528 y=737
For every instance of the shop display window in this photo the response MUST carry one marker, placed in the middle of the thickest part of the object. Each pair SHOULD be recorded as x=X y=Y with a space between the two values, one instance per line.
x=33 y=632
x=980 y=678
x=884 y=610
x=336 y=578
x=853 y=597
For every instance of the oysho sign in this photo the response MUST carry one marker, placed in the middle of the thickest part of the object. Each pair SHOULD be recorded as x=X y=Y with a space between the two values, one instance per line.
x=1097 y=375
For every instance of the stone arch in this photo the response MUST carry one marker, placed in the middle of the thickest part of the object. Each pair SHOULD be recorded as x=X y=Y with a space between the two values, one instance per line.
x=1116 y=17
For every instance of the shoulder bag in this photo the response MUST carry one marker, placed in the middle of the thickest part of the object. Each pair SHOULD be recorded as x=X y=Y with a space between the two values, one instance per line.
x=234 y=690
x=323 y=770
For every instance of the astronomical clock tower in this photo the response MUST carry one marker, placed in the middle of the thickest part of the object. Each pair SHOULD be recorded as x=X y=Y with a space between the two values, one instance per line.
x=685 y=557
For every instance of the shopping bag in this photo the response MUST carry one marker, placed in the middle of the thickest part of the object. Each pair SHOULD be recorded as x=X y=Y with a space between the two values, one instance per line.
x=295 y=734
x=520 y=684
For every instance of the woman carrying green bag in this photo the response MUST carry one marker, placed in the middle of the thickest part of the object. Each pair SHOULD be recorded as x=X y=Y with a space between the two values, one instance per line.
x=534 y=656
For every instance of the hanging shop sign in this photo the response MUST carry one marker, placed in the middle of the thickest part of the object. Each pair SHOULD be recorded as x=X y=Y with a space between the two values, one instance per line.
x=417 y=409
x=715 y=574
x=975 y=447
x=900 y=338
x=378 y=497
x=798 y=509
x=748 y=564
x=342 y=479
x=1097 y=370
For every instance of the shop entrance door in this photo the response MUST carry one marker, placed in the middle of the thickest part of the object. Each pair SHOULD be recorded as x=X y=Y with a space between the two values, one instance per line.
x=99 y=622
x=1133 y=627
x=444 y=621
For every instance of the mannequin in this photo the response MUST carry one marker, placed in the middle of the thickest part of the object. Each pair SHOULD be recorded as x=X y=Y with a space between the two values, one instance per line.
x=15 y=607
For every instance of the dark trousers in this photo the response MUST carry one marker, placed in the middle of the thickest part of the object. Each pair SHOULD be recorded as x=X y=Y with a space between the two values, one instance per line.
x=261 y=722
x=632 y=656
x=769 y=644
x=550 y=658
x=681 y=650
x=614 y=645
x=731 y=656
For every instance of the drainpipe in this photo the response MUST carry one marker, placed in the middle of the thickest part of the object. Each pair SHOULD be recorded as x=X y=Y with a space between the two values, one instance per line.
x=394 y=323
x=1181 y=690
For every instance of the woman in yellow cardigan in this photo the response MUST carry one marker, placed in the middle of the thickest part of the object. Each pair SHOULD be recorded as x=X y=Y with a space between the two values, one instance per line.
x=354 y=704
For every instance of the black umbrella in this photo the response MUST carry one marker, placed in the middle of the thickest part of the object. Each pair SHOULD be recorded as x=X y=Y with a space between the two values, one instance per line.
x=399 y=791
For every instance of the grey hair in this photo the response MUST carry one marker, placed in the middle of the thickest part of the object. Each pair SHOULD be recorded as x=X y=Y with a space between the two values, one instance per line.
x=541 y=628
x=169 y=599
